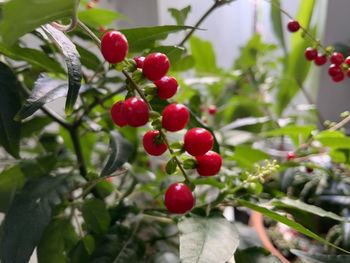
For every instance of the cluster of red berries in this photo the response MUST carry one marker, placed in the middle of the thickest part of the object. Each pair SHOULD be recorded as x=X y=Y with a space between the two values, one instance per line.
x=339 y=66
x=135 y=112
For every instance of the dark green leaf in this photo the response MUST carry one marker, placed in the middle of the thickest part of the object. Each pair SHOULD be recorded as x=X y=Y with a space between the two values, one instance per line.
x=97 y=17
x=96 y=216
x=320 y=258
x=180 y=15
x=34 y=204
x=276 y=17
x=208 y=181
x=72 y=58
x=203 y=54
x=255 y=255
x=207 y=240
x=171 y=166
x=120 y=151
x=83 y=250
x=88 y=58
x=35 y=125
x=10 y=103
x=26 y=15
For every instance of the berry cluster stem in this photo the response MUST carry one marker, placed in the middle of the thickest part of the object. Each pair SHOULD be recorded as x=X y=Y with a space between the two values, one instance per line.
x=89 y=32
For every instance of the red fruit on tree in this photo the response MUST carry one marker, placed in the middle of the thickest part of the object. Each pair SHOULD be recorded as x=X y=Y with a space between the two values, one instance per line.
x=136 y=111
x=155 y=66
x=153 y=143
x=348 y=73
x=208 y=164
x=291 y=156
x=337 y=58
x=212 y=109
x=347 y=60
x=339 y=77
x=320 y=60
x=293 y=26
x=166 y=87
x=310 y=53
x=118 y=114
x=179 y=198
x=175 y=117
x=114 y=46
x=139 y=61
x=198 y=141
x=334 y=70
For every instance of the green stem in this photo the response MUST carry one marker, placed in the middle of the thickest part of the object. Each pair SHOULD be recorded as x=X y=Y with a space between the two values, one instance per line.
x=89 y=32
x=78 y=151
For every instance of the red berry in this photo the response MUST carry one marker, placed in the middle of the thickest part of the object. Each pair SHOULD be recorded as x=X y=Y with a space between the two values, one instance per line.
x=337 y=58
x=347 y=60
x=90 y=5
x=166 y=87
x=137 y=112
x=212 y=109
x=175 y=117
x=291 y=156
x=310 y=53
x=179 y=198
x=209 y=164
x=348 y=73
x=139 y=61
x=114 y=47
x=155 y=66
x=339 y=77
x=198 y=141
x=293 y=26
x=334 y=70
x=118 y=114
x=320 y=60
x=153 y=143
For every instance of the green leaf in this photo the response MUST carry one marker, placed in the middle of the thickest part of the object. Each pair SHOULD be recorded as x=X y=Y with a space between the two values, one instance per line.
x=203 y=54
x=320 y=258
x=34 y=126
x=255 y=255
x=295 y=132
x=96 y=216
x=88 y=58
x=246 y=156
x=282 y=219
x=299 y=205
x=26 y=15
x=34 y=204
x=180 y=15
x=171 y=166
x=120 y=151
x=97 y=17
x=58 y=239
x=145 y=37
x=10 y=103
x=72 y=58
x=208 y=181
x=208 y=240
x=276 y=18
x=83 y=250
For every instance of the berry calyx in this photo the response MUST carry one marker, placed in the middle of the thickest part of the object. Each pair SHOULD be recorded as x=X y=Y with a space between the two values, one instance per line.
x=118 y=114
x=114 y=46
x=291 y=156
x=339 y=77
x=153 y=143
x=310 y=53
x=198 y=141
x=166 y=87
x=175 y=117
x=320 y=60
x=136 y=111
x=337 y=58
x=179 y=198
x=334 y=70
x=212 y=109
x=209 y=164
x=139 y=61
x=293 y=26
x=155 y=66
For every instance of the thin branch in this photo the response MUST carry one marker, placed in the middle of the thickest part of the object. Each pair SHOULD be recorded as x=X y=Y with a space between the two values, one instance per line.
x=89 y=32
x=78 y=151
x=340 y=124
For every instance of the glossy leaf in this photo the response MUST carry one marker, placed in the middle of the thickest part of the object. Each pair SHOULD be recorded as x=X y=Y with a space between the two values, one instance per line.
x=180 y=15
x=321 y=258
x=203 y=54
x=276 y=18
x=208 y=240
x=171 y=166
x=96 y=216
x=97 y=17
x=88 y=58
x=247 y=157
x=10 y=103
x=255 y=255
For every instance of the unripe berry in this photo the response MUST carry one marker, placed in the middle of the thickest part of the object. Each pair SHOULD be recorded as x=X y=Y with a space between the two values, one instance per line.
x=198 y=141
x=212 y=109
x=175 y=117
x=334 y=70
x=310 y=53
x=320 y=60
x=137 y=112
x=179 y=198
x=114 y=47
x=166 y=87
x=139 y=61
x=293 y=26
x=337 y=58
x=209 y=164
x=291 y=156
x=339 y=77
x=118 y=114
x=153 y=143
x=155 y=66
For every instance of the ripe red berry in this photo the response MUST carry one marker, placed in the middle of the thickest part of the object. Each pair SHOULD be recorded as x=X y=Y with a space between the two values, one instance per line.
x=337 y=58
x=348 y=72
x=291 y=156
x=310 y=53
x=339 y=77
x=175 y=117
x=114 y=47
x=320 y=60
x=137 y=112
x=166 y=87
x=198 y=141
x=212 y=109
x=139 y=61
x=155 y=66
x=293 y=26
x=347 y=60
x=179 y=198
x=153 y=143
x=334 y=70
x=118 y=114
x=209 y=164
